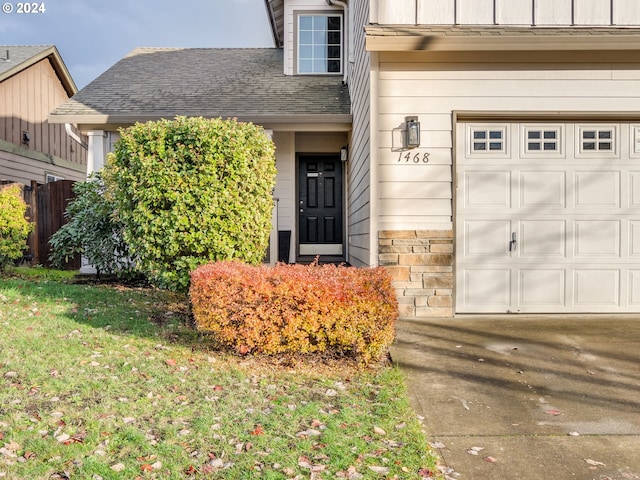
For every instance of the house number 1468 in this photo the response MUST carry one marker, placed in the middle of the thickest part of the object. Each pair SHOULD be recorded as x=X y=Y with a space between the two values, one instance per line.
x=411 y=157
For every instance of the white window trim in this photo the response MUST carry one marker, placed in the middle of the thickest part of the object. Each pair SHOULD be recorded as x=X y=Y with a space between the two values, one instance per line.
x=615 y=140
x=542 y=127
x=52 y=177
x=502 y=153
x=296 y=50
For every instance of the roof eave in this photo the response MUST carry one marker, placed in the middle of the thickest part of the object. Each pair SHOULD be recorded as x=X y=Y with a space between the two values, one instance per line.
x=260 y=119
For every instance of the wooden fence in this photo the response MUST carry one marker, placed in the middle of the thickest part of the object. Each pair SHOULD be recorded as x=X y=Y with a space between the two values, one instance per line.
x=46 y=206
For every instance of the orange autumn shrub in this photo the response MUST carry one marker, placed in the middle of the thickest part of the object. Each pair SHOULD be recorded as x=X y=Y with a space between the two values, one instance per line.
x=296 y=308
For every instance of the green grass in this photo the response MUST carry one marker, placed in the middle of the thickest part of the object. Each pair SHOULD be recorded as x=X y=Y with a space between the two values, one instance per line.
x=107 y=382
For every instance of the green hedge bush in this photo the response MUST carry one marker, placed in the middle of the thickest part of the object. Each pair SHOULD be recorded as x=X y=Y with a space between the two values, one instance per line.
x=14 y=226
x=296 y=308
x=192 y=191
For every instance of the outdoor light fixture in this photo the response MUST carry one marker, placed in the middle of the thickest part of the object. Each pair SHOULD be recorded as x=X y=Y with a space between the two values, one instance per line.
x=413 y=132
x=26 y=138
x=344 y=153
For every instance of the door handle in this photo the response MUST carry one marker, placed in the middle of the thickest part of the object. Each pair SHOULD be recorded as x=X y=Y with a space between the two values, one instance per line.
x=513 y=243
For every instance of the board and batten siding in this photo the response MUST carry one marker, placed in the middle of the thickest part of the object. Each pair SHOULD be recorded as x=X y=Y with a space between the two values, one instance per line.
x=25 y=101
x=420 y=196
x=507 y=12
x=362 y=250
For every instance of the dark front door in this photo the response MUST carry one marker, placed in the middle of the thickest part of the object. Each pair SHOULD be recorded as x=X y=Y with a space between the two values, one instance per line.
x=320 y=205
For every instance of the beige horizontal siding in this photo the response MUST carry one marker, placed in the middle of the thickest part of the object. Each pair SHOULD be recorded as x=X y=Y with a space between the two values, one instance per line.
x=508 y=12
x=415 y=195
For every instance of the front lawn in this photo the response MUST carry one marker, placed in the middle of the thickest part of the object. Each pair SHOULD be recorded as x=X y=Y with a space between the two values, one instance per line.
x=109 y=382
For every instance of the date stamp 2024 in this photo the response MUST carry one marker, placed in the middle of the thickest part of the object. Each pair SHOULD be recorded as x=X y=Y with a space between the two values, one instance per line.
x=28 y=8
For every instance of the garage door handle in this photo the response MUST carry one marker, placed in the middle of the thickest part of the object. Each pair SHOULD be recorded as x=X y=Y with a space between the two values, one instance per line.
x=513 y=242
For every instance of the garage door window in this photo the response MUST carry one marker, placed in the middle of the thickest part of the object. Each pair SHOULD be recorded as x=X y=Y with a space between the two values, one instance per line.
x=487 y=140
x=542 y=140
x=596 y=140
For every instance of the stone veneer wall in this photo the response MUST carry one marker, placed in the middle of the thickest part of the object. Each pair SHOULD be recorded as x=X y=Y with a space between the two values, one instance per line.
x=421 y=265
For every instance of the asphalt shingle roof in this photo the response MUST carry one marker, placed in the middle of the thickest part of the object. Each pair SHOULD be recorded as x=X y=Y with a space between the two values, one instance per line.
x=18 y=54
x=210 y=82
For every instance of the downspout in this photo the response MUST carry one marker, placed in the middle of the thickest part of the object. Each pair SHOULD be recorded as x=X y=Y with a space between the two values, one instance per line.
x=347 y=37
x=75 y=136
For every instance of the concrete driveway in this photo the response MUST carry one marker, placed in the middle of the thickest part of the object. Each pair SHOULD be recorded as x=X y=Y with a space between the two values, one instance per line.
x=515 y=397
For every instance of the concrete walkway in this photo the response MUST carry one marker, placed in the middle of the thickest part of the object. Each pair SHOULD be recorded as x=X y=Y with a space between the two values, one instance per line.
x=516 y=397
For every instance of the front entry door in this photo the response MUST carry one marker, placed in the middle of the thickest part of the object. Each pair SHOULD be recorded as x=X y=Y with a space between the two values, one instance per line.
x=320 y=205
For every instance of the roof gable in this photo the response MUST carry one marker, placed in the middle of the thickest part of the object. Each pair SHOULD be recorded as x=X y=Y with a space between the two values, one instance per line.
x=16 y=58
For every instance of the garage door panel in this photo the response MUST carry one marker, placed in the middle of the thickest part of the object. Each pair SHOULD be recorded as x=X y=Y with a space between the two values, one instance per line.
x=542 y=189
x=597 y=238
x=543 y=289
x=634 y=238
x=634 y=287
x=488 y=288
x=484 y=238
x=543 y=238
x=596 y=288
x=597 y=189
x=634 y=189
x=487 y=189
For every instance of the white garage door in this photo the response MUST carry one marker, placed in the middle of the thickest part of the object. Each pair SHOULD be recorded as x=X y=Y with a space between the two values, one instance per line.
x=548 y=217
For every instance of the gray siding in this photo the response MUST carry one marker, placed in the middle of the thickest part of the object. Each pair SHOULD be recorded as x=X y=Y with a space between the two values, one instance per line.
x=361 y=236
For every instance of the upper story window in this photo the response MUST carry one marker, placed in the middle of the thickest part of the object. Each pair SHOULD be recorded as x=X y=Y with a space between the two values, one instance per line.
x=319 y=44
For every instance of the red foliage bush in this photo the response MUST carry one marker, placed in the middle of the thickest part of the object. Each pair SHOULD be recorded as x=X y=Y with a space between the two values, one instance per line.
x=296 y=308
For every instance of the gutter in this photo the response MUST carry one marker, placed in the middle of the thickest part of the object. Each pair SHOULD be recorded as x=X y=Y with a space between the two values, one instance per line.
x=348 y=52
x=75 y=136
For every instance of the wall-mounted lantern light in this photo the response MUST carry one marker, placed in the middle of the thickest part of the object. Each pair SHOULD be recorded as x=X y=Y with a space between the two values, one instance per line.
x=26 y=138
x=413 y=131
x=344 y=153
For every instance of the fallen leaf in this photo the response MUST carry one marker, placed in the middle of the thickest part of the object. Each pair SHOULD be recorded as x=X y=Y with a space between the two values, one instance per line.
x=304 y=462
x=257 y=431
x=170 y=361
x=553 y=412
x=379 y=431
x=118 y=467
x=12 y=446
x=594 y=463
x=379 y=470
x=146 y=467
x=490 y=459
x=475 y=450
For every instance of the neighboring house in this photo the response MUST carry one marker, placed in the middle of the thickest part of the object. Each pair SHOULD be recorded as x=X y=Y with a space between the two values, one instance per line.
x=493 y=159
x=34 y=81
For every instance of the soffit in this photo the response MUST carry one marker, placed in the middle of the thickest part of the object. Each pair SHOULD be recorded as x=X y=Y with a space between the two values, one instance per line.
x=487 y=38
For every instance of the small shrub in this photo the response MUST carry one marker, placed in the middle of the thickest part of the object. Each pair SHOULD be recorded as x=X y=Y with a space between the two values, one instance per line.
x=92 y=231
x=192 y=191
x=296 y=308
x=14 y=226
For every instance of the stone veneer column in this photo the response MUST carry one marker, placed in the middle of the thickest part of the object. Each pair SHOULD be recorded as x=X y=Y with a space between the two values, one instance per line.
x=421 y=265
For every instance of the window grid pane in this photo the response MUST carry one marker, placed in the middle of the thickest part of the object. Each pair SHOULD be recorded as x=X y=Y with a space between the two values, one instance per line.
x=543 y=141
x=597 y=140
x=487 y=140
x=319 y=44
